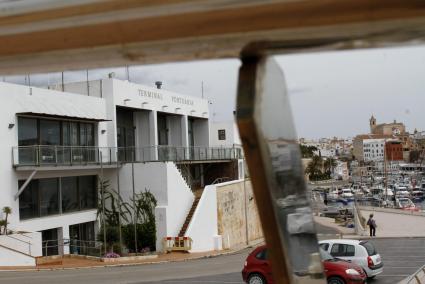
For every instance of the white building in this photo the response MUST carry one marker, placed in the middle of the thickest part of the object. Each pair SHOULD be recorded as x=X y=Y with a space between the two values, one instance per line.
x=57 y=145
x=341 y=170
x=373 y=150
x=224 y=134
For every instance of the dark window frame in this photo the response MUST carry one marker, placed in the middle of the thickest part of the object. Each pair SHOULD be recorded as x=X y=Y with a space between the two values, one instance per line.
x=61 y=130
x=221 y=134
x=34 y=185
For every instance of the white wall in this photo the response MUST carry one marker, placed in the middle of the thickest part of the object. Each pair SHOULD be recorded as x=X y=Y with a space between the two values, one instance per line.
x=232 y=134
x=201 y=132
x=204 y=228
x=29 y=243
x=12 y=258
x=150 y=176
x=165 y=182
x=19 y=99
x=145 y=97
x=180 y=200
x=175 y=130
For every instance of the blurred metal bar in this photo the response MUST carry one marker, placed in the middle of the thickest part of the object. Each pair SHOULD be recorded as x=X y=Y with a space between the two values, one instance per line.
x=106 y=33
x=273 y=157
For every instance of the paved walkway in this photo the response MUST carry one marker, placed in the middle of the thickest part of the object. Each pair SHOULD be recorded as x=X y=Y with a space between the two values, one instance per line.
x=70 y=263
x=396 y=224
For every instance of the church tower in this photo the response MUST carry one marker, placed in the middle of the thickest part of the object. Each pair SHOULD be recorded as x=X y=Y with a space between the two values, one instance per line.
x=372 y=123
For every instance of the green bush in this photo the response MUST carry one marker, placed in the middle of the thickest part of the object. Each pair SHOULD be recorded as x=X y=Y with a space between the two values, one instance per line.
x=146 y=236
x=112 y=237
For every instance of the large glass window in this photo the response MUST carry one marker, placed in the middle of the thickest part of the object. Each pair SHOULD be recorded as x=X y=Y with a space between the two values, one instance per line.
x=50 y=133
x=27 y=131
x=49 y=196
x=88 y=192
x=35 y=131
x=69 y=189
x=29 y=201
x=42 y=197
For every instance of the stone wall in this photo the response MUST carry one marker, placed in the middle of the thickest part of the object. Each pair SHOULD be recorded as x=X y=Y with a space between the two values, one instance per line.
x=238 y=220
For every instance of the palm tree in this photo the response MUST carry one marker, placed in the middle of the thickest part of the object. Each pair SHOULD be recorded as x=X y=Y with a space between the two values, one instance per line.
x=329 y=164
x=6 y=210
x=314 y=168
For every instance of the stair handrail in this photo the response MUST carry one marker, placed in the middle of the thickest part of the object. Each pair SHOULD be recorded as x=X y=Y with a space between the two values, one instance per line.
x=22 y=241
x=220 y=180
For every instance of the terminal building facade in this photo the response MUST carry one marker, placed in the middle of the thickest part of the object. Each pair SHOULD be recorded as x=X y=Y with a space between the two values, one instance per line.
x=58 y=143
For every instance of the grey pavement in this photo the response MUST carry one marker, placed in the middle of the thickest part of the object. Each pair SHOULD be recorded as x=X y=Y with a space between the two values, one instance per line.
x=401 y=257
x=396 y=224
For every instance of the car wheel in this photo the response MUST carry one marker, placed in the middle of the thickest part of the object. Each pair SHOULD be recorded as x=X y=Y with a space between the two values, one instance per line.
x=256 y=279
x=335 y=280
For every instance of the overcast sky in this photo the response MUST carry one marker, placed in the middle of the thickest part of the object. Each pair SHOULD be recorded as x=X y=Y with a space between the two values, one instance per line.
x=332 y=94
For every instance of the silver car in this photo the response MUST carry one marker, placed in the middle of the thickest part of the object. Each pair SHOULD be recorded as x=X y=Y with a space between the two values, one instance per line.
x=362 y=253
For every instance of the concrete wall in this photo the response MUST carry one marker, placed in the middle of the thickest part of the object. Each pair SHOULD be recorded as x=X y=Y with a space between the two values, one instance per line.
x=201 y=132
x=29 y=243
x=238 y=220
x=232 y=134
x=180 y=199
x=13 y=258
x=175 y=130
x=165 y=182
x=203 y=226
x=224 y=213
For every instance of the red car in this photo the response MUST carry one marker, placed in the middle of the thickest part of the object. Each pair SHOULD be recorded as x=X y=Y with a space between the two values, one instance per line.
x=257 y=269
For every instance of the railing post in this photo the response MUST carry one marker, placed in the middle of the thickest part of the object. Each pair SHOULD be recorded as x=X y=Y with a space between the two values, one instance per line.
x=110 y=155
x=56 y=155
x=70 y=157
x=38 y=155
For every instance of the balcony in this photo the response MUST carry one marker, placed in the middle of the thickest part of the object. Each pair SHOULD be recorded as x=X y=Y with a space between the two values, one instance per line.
x=89 y=156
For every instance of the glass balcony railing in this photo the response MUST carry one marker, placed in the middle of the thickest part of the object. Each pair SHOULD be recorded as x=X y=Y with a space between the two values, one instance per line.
x=40 y=155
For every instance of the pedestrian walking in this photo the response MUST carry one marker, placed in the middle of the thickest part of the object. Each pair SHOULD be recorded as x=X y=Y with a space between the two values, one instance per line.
x=372 y=225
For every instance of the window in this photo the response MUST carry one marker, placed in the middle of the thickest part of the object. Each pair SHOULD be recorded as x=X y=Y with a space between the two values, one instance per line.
x=28 y=201
x=87 y=192
x=36 y=131
x=324 y=246
x=42 y=197
x=221 y=134
x=49 y=196
x=69 y=188
x=27 y=131
x=369 y=248
x=342 y=250
x=262 y=255
x=50 y=132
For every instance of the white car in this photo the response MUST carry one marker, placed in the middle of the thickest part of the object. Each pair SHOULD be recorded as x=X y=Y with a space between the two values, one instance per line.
x=362 y=253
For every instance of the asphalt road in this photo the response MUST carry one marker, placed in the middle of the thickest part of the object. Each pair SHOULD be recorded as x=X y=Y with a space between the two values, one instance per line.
x=401 y=258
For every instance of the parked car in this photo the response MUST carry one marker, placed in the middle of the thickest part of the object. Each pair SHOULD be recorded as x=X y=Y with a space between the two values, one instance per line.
x=257 y=269
x=362 y=253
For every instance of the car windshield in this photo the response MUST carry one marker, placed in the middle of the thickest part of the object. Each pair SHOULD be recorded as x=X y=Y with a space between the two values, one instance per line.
x=369 y=248
x=325 y=255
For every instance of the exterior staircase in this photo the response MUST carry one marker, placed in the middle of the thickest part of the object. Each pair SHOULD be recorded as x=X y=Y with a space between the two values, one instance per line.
x=189 y=215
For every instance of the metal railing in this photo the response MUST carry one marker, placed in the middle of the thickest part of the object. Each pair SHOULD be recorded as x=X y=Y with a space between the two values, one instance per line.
x=417 y=278
x=47 y=155
x=22 y=241
x=80 y=247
